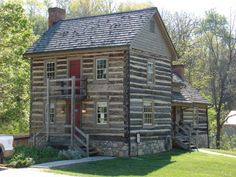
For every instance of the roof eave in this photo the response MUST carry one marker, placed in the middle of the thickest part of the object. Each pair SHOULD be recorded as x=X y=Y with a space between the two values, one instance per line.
x=31 y=54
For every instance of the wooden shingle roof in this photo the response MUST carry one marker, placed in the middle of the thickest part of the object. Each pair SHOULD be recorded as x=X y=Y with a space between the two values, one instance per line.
x=115 y=29
x=187 y=93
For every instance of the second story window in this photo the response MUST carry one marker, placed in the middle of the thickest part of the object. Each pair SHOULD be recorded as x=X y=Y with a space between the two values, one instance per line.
x=101 y=69
x=50 y=70
x=102 y=112
x=150 y=72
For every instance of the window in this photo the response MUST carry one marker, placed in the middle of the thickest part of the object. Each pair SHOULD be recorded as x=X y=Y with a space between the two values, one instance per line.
x=150 y=72
x=51 y=113
x=50 y=70
x=101 y=69
x=147 y=113
x=152 y=26
x=102 y=112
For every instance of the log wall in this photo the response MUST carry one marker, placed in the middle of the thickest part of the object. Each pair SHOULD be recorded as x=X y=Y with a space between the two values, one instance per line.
x=149 y=46
x=110 y=90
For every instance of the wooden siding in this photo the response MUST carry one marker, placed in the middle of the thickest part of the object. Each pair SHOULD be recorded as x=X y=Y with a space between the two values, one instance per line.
x=38 y=92
x=200 y=117
x=150 y=47
x=159 y=93
x=110 y=90
x=152 y=42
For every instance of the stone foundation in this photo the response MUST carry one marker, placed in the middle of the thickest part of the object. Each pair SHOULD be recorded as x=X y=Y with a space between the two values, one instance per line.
x=150 y=146
x=202 y=141
x=111 y=148
x=121 y=149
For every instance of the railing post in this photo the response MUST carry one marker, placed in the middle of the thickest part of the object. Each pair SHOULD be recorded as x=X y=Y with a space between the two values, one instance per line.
x=190 y=137
x=197 y=138
x=72 y=108
x=48 y=110
x=87 y=144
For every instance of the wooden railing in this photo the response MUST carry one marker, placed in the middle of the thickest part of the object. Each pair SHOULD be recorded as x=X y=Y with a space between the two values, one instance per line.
x=64 y=87
x=81 y=140
x=187 y=130
x=40 y=138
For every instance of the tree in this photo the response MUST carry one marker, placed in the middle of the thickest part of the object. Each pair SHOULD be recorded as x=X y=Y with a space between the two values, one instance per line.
x=15 y=37
x=81 y=8
x=220 y=42
x=131 y=5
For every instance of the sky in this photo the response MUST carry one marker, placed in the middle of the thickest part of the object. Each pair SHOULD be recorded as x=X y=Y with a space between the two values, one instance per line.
x=197 y=7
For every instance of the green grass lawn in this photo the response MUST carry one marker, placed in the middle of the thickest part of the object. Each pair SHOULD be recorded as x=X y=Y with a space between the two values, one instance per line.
x=221 y=151
x=168 y=164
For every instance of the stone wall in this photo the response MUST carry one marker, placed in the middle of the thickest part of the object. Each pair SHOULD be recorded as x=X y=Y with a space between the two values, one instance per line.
x=202 y=141
x=111 y=148
x=120 y=149
x=150 y=146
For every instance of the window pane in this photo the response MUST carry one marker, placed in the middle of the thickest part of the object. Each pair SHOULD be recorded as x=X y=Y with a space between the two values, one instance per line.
x=101 y=68
x=50 y=70
x=101 y=112
x=150 y=72
x=147 y=113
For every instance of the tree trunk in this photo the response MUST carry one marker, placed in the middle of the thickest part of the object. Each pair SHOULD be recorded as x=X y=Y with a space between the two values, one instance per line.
x=218 y=130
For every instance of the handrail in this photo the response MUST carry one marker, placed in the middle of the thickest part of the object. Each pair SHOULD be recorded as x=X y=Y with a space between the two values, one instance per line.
x=85 y=136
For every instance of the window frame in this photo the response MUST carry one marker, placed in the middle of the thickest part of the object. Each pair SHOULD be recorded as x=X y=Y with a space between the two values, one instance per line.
x=46 y=69
x=153 y=72
x=97 y=106
x=50 y=113
x=150 y=113
x=96 y=68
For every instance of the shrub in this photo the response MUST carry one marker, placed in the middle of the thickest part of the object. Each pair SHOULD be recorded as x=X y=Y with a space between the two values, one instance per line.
x=26 y=156
x=69 y=154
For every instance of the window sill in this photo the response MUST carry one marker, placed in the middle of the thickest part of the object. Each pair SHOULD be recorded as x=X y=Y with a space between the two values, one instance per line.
x=148 y=126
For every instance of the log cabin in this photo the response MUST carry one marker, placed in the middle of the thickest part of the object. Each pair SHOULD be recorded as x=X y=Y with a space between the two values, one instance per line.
x=107 y=82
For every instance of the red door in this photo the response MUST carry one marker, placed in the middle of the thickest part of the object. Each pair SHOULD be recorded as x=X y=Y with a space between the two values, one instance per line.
x=75 y=71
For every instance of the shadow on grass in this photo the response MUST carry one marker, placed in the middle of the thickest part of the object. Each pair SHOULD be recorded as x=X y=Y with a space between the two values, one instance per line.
x=134 y=166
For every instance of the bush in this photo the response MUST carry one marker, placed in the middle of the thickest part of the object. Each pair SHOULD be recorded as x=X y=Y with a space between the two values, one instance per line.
x=69 y=154
x=26 y=156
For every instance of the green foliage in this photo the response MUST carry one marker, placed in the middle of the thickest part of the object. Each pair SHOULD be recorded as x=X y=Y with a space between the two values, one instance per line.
x=228 y=142
x=15 y=37
x=69 y=154
x=26 y=156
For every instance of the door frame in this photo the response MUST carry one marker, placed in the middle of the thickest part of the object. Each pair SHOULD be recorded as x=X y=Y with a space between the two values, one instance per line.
x=76 y=101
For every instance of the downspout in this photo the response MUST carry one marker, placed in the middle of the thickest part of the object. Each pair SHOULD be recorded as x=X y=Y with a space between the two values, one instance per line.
x=128 y=106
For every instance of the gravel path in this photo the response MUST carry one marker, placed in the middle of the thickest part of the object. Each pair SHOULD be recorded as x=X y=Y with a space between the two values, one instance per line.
x=39 y=169
x=216 y=153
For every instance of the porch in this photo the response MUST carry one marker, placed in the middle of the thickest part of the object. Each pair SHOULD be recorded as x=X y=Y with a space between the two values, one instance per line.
x=189 y=126
x=71 y=91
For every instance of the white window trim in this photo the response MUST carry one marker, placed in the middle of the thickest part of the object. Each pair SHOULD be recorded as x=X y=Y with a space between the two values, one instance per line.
x=103 y=104
x=106 y=69
x=153 y=72
x=46 y=72
x=152 y=113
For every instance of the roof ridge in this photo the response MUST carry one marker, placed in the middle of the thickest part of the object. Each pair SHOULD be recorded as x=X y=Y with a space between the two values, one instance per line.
x=115 y=13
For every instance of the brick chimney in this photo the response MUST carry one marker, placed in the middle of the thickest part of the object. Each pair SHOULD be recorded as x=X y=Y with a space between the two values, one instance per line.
x=179 y=70
x=55 y=14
